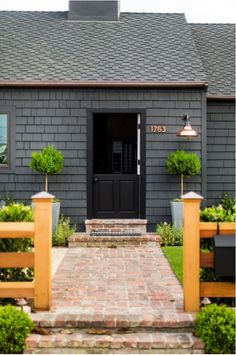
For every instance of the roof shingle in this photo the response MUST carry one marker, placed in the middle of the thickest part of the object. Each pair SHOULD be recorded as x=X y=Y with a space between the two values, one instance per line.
x=216 y=47
x=139 y=47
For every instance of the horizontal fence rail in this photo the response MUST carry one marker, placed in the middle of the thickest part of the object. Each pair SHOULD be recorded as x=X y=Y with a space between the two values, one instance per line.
x=193 y=259
x=39 y=259
x=13 y=259
x=209 y=229
x=17 y=229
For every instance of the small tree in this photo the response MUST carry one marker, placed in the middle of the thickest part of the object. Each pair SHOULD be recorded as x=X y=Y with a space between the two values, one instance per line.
x=184 y=164
x=49 y=162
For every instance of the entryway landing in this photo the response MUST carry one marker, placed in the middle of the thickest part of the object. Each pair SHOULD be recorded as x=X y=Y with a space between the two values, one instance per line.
x=113 y=233
x=116 y=226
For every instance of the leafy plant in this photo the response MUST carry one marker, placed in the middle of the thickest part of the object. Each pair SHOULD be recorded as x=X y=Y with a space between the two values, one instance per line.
x=208 y=275
x=224 y=211
x=170 y=234
x=49 y=162
x=7 y=198
x=217 y=214
x=15 y=326
x=16 y=212
x=215 y=325
x=63 y=231
x=184 y=164
x=228 y=203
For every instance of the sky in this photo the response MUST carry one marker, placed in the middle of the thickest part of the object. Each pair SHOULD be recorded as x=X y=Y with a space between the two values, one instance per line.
x=208 y=11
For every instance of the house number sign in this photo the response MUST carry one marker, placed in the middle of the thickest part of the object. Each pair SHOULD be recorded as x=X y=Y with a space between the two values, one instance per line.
x=158 y=129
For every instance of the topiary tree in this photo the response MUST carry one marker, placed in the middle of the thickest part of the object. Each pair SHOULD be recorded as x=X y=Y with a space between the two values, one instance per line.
x=49 y=162
x=184 y=164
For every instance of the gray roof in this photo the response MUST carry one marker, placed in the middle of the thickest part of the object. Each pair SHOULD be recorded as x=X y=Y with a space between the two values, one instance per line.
x=216 y=47
x=139 y=47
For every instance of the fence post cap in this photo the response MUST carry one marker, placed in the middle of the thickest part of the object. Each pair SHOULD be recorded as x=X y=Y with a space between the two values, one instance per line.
x=42 y=195
x=191 y=196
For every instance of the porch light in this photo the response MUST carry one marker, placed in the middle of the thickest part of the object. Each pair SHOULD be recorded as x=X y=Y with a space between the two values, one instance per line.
x=187 y=130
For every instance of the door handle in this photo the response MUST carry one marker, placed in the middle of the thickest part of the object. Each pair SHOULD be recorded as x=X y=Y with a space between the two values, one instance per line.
x=95 y=179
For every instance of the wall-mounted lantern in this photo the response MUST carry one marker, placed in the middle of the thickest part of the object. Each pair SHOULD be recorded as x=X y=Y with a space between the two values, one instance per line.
x=187 y=130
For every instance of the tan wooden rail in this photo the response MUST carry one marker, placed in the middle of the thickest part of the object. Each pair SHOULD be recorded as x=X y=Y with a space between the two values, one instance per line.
x=193 y=259
x=41 y=232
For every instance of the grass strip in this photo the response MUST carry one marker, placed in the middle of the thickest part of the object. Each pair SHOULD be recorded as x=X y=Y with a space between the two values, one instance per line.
x=175 y=257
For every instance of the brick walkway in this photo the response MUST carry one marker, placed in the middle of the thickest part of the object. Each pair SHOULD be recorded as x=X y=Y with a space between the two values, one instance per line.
x=116 y=287
x=114 y=300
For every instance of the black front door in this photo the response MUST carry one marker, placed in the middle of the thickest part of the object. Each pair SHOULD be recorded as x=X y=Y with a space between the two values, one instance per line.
x=115 y=180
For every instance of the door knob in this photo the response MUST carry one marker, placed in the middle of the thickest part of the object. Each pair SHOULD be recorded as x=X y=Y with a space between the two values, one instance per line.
x=95 y=179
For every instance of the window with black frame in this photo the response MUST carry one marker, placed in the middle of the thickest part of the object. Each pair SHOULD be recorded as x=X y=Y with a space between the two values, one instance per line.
x=3 y=139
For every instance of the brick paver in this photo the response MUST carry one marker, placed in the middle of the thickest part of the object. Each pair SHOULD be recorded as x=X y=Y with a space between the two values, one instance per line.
x=114 y=300
x=122 y=279
x=131 y=286
x=140 y=340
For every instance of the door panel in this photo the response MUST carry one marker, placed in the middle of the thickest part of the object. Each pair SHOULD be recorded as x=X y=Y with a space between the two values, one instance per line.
x=115 y=196
x=104 y=194
x=128 y=194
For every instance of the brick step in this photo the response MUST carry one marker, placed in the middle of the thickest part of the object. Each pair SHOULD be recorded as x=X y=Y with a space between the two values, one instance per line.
x=87 y=240
x=139 y=342
x=126 y=226
x=76 y=318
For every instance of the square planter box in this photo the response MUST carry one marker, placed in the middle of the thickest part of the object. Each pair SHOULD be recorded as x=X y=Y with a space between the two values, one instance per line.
x=177 y=213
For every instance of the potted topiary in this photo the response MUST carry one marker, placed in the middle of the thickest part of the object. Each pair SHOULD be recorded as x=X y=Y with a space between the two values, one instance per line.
x=183 y=164
x=49 y=162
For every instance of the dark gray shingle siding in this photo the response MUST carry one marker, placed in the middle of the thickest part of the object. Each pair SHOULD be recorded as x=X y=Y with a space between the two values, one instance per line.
x=139 y=47
x=220 y=150
x=216 y=47
x=59 y=117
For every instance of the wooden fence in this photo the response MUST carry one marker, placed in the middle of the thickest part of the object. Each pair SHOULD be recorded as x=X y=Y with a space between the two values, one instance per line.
x=39 y=259
x=193 y=259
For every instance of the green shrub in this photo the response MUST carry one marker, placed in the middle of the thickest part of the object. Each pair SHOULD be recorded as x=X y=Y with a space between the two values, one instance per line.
x=49 y=162
x=63 y=232
x=183 y=164
x=215 y=325
x=170 y=234
x=228 y=203
x=7 y=198
x=224 y=211
x=16 y=212
x=15 y=326
x=217 y=214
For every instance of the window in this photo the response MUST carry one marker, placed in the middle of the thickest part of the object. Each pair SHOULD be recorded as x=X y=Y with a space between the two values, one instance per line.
x=4 y=143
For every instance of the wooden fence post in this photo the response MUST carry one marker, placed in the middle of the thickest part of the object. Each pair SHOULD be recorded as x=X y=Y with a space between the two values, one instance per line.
x=42 y=245
x=191 y=251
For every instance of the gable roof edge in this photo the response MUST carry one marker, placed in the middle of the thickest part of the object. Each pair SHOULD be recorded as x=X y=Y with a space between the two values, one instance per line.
x=108 y=84
x=221 y=97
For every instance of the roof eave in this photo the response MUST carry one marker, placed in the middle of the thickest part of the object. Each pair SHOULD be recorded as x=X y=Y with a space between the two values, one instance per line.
x=220 y=97
x=102 y=84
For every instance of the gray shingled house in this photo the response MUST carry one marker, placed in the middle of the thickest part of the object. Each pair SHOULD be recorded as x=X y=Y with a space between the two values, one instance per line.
x=99 y=85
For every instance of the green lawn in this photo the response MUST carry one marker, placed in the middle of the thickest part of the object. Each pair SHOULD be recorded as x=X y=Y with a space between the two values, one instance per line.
x=175 y=258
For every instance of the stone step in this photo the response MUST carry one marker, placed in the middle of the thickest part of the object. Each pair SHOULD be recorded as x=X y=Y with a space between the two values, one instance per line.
x=74 y=317
x=126 y=226
x=87 y=240
x=95 y=341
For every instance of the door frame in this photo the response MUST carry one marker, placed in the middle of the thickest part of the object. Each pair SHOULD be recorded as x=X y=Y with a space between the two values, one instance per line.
x=90 y=133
